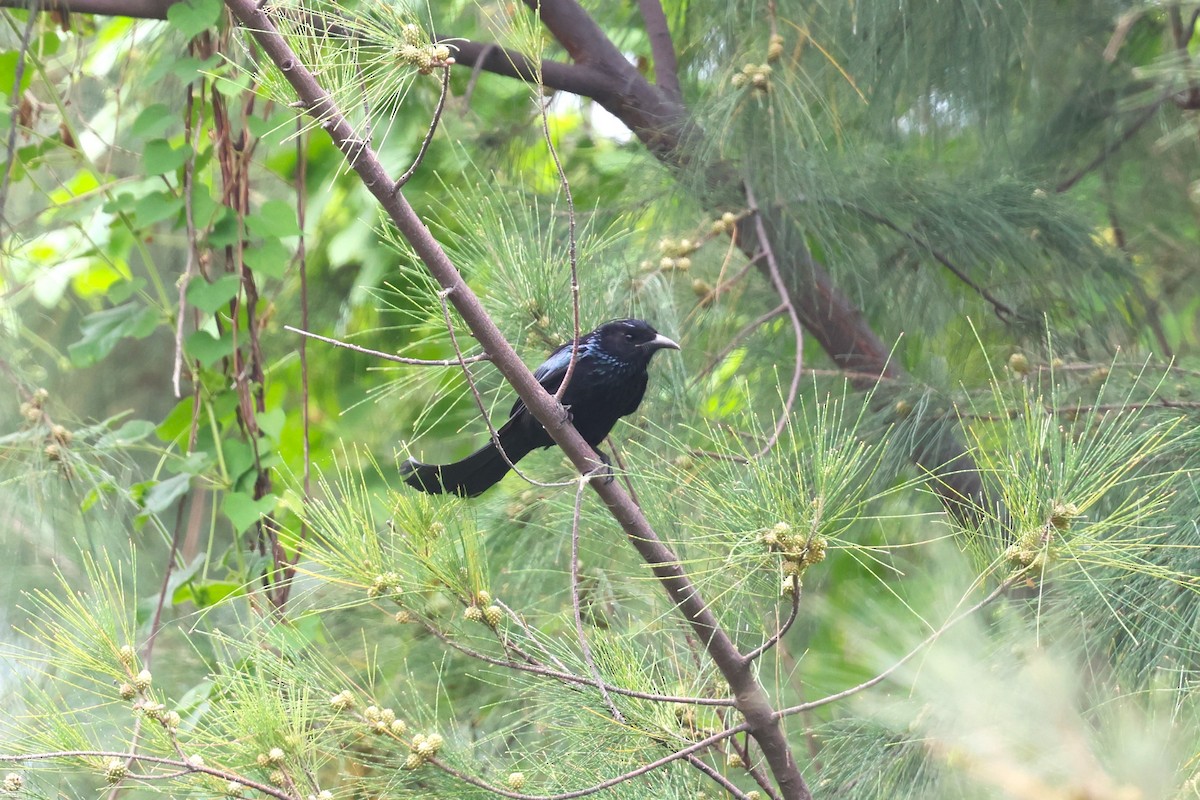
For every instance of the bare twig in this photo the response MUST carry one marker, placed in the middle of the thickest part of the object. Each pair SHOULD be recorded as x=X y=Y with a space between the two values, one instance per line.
x=1003 y=311
x=523 y=625
x=599 y=787
x=433 y=124
x=184 y=766
x=784 y=628
x=584 y=648
x=1112 y=147
x=720 y=779
x=14 y=102
x=476 y=71
x=419 y=362
x=777 y=280
x=933 y=637
x=483 y=412
x=193 y=249
x=572 y=251
x=536 y=668
x=736 y=340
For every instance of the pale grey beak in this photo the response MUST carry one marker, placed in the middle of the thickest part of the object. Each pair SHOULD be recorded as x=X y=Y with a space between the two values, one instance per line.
x=661 y=342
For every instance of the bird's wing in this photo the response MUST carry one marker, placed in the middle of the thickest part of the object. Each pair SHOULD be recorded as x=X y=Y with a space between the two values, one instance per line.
x=550 y=373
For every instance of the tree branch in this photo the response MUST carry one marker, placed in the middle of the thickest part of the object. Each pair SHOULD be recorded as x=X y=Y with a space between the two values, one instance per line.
x=748 y=693
x=666 y=67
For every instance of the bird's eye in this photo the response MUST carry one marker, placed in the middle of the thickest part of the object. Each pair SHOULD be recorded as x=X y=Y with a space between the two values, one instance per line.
x=629 y=337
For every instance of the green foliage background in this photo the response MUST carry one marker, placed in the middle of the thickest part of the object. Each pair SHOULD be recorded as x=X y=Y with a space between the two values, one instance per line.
x=1045 y=152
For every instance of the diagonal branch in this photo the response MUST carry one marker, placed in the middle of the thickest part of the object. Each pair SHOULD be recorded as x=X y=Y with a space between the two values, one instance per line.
x=1003 y=311
x=749 y=695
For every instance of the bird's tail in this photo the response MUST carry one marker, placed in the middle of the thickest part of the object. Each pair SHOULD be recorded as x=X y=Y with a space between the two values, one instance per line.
x=469 y=477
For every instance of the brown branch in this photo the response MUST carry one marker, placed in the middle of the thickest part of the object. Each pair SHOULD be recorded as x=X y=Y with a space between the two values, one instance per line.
x=1003 y=311
x=599 y=787
x=784 y=628
x=184 y=765
x=433 y=124
x=666 y=67
x=10 y=147
x=750 y=697
x=419 y=362
x=797 y=328
x=1112 y=147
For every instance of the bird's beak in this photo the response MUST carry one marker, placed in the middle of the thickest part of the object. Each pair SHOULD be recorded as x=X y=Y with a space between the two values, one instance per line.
x=661 y=342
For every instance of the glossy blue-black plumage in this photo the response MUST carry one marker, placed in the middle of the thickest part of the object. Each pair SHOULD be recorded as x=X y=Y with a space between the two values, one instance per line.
x=608 y=383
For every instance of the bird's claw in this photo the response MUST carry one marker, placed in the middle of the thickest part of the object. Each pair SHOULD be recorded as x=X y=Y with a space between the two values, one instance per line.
x=604 y=468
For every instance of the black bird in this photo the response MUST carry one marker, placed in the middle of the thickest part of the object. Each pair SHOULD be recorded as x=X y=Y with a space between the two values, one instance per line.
x=608 y=383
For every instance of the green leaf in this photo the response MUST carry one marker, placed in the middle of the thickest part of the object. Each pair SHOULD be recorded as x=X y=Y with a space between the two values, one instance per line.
x=243 y=510
x=156 y=207
x=207 y=593
x=159 y=157
x=153 y=121
x=209 y=297
x=184 y=588
x=239 y=459
x=161 y=494
x=271 y=422
x=273 y=131
x=275 y=219
x=177 y=422
x=103 y=329
x=206 y=348
x=233 y=87
x=133 y=431
x=192 y=17
x=225 y=231
x=270 y=258
x=8 y=72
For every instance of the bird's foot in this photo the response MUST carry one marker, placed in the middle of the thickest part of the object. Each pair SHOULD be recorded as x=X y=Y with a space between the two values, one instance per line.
x=604 y=468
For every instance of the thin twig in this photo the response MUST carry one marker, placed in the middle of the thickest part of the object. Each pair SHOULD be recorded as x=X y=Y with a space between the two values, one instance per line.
x=584 y=648
x=569 y=677
x=599 y=787
x=616 y=451
x=189 y=217
x=933 y=637
x=777 y=281
x=476 y=71
x=183 y=765
x=736 y=340
x=1109 y=149
x=572 y=253
x=724 y=782
x=523 y=625
x=755 y=771
x=1003 y=311
x=10 y=148
x=419 y=362
x=437 y=116
x=783 y=629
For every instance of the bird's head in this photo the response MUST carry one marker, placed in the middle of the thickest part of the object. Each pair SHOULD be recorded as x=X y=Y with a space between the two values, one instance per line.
x=632 y=339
